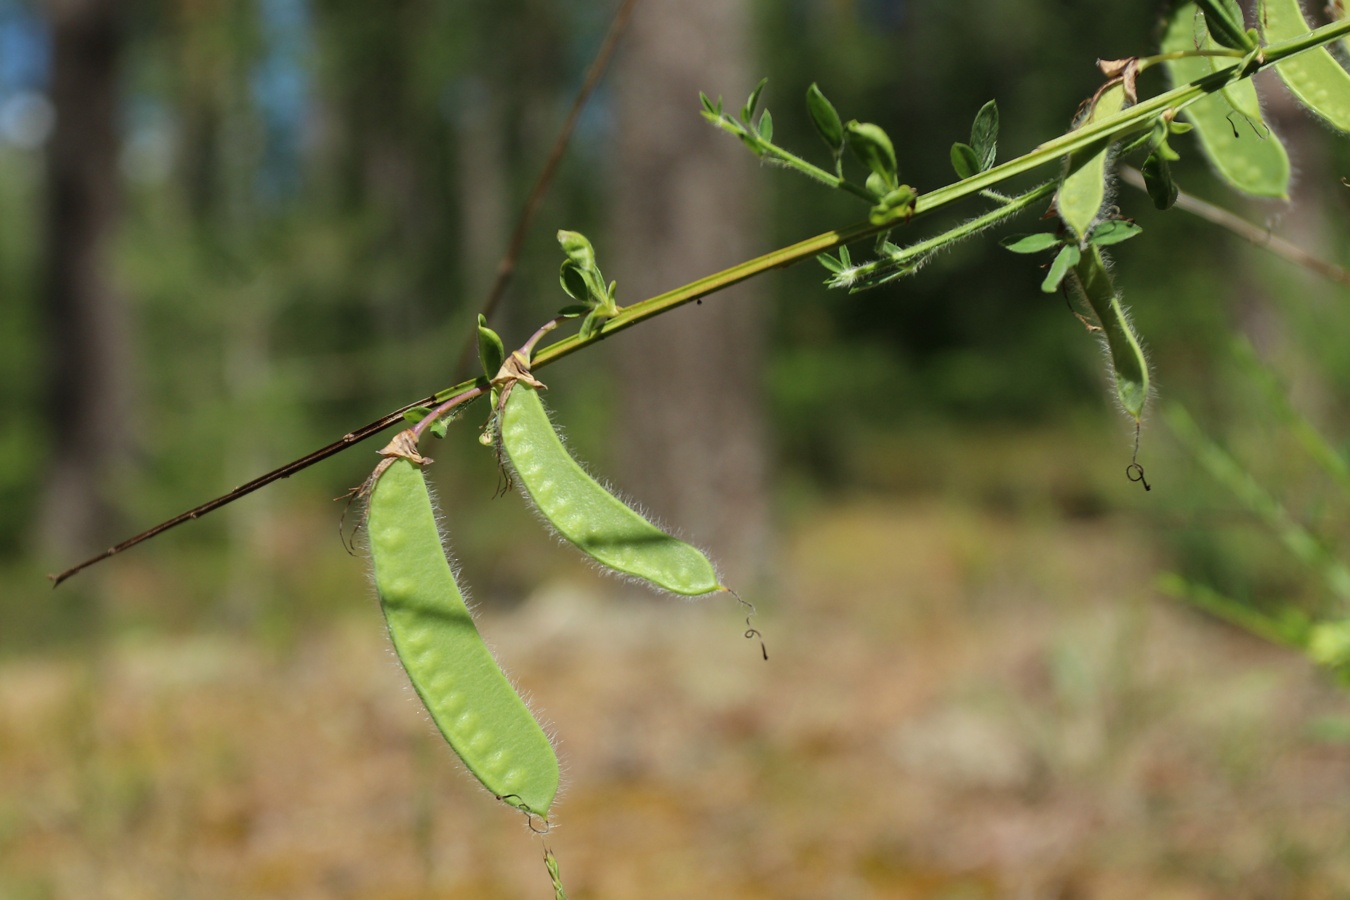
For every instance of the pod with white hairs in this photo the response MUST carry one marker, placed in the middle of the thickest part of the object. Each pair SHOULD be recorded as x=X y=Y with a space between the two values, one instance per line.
x=584 y=512
x=472 y=703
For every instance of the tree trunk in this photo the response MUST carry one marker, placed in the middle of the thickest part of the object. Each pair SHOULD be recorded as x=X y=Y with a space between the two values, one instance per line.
x=693 y=448
x=87 y=320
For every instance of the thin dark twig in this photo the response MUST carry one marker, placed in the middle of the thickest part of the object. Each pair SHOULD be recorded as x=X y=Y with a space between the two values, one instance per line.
x=507 y=267
x=347 y=440
x=504 y=272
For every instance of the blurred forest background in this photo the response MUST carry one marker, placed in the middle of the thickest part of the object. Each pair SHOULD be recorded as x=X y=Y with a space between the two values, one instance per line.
x=233 y=232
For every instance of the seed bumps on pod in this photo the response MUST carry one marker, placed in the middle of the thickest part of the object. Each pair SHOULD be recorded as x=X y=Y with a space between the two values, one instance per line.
x=601 y=525
x=470 y=700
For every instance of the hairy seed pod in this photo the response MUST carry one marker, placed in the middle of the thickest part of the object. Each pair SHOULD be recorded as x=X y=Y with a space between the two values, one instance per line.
x=1314 y=76
x=601 y=525
x=1241 y=148
x=477 y=710
x=1129 y=366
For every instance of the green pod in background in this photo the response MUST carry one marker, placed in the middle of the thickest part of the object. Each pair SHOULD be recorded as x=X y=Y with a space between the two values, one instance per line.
x=1241 y=148
x=477 y=710
x=600 y=525
x=1129 y=366
x=1314 y=76
x=1082 y=191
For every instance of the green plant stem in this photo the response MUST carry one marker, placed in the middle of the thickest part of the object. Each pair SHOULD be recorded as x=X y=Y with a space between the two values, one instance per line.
x=1009 y=207
x=1147 y=61
x=790 y=160
x=1134 y=119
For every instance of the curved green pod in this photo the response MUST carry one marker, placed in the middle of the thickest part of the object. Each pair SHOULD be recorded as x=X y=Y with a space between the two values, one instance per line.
x=601 y=525
x=1241 y=148
x=1129 y=365
x=477 y=710
x=1314 y=76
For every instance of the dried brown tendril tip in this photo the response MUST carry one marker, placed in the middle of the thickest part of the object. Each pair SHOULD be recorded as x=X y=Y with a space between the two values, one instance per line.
x=404 y=446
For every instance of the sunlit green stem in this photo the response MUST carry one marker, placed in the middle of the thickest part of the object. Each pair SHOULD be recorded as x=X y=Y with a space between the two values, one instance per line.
x=1139 y=117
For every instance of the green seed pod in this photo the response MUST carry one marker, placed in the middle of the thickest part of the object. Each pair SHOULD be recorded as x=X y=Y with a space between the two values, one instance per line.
x=1246 y=154
x=1313 y=76
x=601 y=525
x=474 y=706
x=1128 y=364
x=1082 y=192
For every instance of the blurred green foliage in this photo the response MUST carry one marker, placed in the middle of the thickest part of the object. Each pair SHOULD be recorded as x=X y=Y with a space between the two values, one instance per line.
x=292 y=281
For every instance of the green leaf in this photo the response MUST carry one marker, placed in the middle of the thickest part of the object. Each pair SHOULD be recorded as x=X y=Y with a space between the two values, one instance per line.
x=766 y=126
x=1224 y=20
x=1162 y=190
x=574 y=283
x=825 y=118
x=874 y=149
x=1030 y=243
x=984 y=135
x=1065 y=259
x=748 y=111
x=834 y=266
x=417 y=414
x=491 y=351
x=1082 y=192
x=708 y=107
x=440 y=427
x=577 y=248
x=574 y=311
x=1113 y=231
x=591 y=324
x=965 y=161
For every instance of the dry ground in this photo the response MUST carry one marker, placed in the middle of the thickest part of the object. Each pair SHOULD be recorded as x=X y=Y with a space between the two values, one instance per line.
x=957 y=705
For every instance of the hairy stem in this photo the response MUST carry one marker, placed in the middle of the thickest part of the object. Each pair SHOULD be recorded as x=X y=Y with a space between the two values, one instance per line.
x=1130 y=121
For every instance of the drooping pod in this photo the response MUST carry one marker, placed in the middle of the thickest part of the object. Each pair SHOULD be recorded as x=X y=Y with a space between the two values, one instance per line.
x=1314 y=76
x=1129 y=366
x=477 y=710
x=1238 y=144
x=582 y=510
